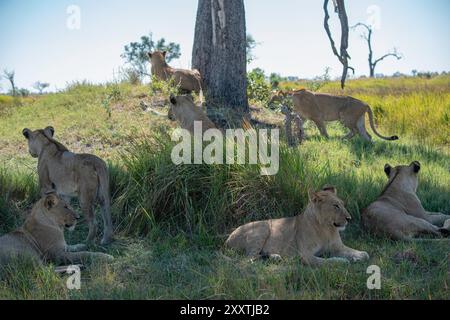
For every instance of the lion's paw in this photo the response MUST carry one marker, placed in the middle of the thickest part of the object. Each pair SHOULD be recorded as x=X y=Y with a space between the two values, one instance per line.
x=338 y=260
x=360 y=256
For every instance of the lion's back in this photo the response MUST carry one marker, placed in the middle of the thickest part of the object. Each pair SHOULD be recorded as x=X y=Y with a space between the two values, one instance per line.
x=12 y=245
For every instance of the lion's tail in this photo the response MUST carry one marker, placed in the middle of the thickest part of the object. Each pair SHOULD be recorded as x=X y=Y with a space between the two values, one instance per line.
x=105 y=199
x=199 y=79
x=103 y=180
x=372 y=125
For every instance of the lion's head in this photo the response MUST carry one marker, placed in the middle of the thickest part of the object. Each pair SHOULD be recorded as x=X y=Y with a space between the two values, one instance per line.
x=158 y=58
x=406 y=175
x=58 y=212
x=329 y=209
x=180 y=102
x=38 y=139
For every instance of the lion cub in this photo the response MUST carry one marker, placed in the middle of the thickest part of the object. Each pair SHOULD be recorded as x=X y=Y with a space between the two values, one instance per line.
x=42 y=235
x=398 y=213
x=308 y=235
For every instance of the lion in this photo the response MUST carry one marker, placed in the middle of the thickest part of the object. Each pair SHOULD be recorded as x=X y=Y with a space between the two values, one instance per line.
x=188 y=80
x=184 y=110
x=398 y=212
x=41 y=237
x=321 y=108
x=308 y=235
x=84 y=176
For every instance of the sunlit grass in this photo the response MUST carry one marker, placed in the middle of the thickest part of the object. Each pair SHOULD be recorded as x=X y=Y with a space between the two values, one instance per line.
x=171 y=221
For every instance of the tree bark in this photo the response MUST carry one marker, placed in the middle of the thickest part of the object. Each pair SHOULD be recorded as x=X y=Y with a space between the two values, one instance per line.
x=219 y=53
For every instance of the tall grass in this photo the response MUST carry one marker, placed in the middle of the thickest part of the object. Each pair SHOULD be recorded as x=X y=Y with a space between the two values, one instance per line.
x=171 y=221
x=415 y=107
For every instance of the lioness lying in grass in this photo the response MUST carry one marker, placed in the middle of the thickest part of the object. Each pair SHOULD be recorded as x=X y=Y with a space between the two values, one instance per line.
x=308 y=235
x=398 y=213
x=42 y=236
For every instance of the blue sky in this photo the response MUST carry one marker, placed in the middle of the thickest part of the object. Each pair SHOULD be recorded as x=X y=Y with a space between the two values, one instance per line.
x=37 y=44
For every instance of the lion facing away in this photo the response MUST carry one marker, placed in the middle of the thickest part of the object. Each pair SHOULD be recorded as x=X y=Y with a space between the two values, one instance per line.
x=321 y=108
x=188 y=80
x=398 y=212
x=308 y=235
x=42 y=235
x=84 y=176
x=184 y=110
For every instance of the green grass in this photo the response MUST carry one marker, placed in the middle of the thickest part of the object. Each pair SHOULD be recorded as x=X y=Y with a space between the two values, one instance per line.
x=418 y=108
x=171 y=221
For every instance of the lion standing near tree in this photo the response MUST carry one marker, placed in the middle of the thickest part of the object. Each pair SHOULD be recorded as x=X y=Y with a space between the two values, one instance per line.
x=187 y=80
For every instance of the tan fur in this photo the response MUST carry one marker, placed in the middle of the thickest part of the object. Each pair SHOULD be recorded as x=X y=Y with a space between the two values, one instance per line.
x=398 y=213
x=188 y=80
x=42 y=236
x=321 y=108
x=308 y=235
x=184 y=110
x=84 y=176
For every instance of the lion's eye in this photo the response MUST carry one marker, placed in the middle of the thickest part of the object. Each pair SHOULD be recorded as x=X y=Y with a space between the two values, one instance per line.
x=336 y=206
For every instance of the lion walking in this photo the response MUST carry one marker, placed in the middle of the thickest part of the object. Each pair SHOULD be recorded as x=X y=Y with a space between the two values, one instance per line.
x=321 y=108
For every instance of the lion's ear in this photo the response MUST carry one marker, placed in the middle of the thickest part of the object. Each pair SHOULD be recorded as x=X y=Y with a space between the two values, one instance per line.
x=150 y=54
x=26 y=133
x=49 y=131
x=313 y=196
x=416 y=166
x=387 y=169
x=173 y=100
x=329 y=188
x=164 y=53
x=51 y=200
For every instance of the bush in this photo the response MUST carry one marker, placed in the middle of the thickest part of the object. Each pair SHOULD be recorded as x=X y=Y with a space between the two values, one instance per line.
x=258 y=89
x=131 y=76
x=165 y=88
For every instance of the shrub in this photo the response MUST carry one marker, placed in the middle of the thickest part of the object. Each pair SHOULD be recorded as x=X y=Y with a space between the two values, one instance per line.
x=131 y=76
x=258 y=89
x=165 y=88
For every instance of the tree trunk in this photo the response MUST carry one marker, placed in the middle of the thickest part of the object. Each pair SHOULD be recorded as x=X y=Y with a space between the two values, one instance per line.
x=219 y=53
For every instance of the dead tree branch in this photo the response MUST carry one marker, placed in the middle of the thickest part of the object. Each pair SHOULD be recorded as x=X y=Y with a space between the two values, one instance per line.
x=368 y=37
x=342 y=55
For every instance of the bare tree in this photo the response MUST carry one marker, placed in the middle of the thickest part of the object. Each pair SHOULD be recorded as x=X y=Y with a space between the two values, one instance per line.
x=219 y=53
x=9 y=75
x=368 y=37
x=342 y=55
x=41 y=86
